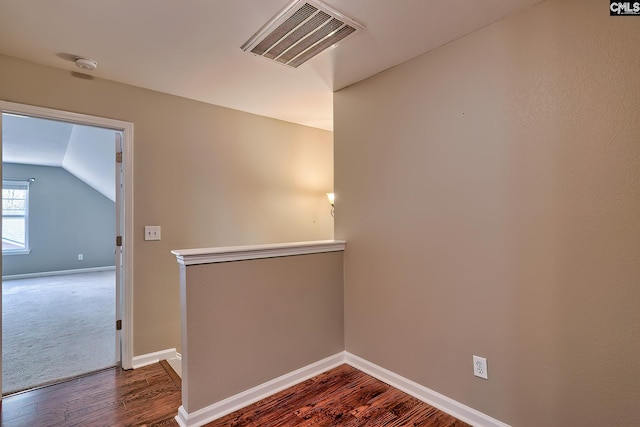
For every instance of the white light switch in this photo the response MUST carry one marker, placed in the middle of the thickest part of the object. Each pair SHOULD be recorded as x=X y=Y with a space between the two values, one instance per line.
x=152 y=232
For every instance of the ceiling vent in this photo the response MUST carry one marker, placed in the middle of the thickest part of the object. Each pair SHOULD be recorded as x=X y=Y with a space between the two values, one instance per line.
x=300 y=31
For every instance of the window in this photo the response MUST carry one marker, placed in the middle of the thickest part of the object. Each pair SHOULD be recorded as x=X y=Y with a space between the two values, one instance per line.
x=15 y=216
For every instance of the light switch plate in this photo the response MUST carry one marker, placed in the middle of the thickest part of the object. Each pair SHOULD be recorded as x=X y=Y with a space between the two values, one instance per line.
x=152 y=232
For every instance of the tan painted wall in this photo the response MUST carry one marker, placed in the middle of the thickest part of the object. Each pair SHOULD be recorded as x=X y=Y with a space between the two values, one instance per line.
x=489 y=192
x=210 y=176
x=248 y=322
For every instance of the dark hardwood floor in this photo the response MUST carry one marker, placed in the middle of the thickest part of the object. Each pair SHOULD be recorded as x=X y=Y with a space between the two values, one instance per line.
x=146 y=396
x=150 y=397
x=343 y=396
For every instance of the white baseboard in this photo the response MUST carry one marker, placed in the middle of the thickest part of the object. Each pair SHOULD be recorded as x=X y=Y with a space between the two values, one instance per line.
x=176 y=363
x=433 y=398
x=238 y=401
x=58 y=272
x=150 y=358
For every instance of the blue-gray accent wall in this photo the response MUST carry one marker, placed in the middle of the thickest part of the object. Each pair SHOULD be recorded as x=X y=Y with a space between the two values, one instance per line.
x=66 y=218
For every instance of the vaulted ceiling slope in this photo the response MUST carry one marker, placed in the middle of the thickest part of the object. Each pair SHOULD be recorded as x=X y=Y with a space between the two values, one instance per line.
x=191 y=48
x=86 y=152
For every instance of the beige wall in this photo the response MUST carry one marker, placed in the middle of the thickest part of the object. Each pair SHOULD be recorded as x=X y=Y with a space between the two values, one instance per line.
x=489 y=192
x=248 y=322
x=210 y=176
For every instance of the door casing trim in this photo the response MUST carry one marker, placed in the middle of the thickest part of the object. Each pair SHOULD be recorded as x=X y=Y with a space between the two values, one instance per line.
x=126 y=128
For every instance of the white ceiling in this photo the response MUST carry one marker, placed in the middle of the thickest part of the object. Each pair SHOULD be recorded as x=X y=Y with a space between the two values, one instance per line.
x=86 y=152
x=191 y=48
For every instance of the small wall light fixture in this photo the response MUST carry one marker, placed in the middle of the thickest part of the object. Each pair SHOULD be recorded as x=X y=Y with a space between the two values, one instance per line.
x=332 y=199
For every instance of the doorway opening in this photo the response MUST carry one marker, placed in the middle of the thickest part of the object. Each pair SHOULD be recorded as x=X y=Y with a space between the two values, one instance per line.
x=66 y=259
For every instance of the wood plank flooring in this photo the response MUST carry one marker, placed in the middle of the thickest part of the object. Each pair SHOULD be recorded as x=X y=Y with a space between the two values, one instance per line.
x=150 y=397
x=142 y=397
x=343 y=396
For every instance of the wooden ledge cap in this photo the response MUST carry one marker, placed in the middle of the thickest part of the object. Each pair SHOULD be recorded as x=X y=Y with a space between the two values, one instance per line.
x=240 y=253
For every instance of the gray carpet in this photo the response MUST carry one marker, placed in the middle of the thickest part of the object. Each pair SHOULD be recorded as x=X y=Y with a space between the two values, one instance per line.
x=56 y=327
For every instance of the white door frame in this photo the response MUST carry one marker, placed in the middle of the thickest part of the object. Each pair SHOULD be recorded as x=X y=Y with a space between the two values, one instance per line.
x=126 y=356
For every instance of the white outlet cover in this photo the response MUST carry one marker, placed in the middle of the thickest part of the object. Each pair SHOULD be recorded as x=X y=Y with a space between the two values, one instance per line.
x=480 y=367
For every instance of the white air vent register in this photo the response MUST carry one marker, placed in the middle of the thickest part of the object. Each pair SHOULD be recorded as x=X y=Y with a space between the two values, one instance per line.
x=300 y=31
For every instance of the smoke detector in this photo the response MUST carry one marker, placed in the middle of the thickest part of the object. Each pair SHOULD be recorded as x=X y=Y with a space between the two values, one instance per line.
x=300 y=31
x=86 y=64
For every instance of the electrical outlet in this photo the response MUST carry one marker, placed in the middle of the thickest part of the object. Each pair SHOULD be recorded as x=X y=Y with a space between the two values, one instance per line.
x=80 y=257
x=480 y=367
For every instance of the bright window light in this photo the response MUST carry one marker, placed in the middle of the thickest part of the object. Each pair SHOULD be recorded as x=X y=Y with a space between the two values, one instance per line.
x=15 y=216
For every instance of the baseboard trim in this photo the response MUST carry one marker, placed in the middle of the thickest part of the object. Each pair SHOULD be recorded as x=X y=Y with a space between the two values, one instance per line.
x=150 y=358
x=176 y=364
x=433 y=398
x=240 y=400
x=58 y=272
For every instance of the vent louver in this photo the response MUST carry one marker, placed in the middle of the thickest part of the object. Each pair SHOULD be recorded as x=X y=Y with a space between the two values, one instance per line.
x=300 y=31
